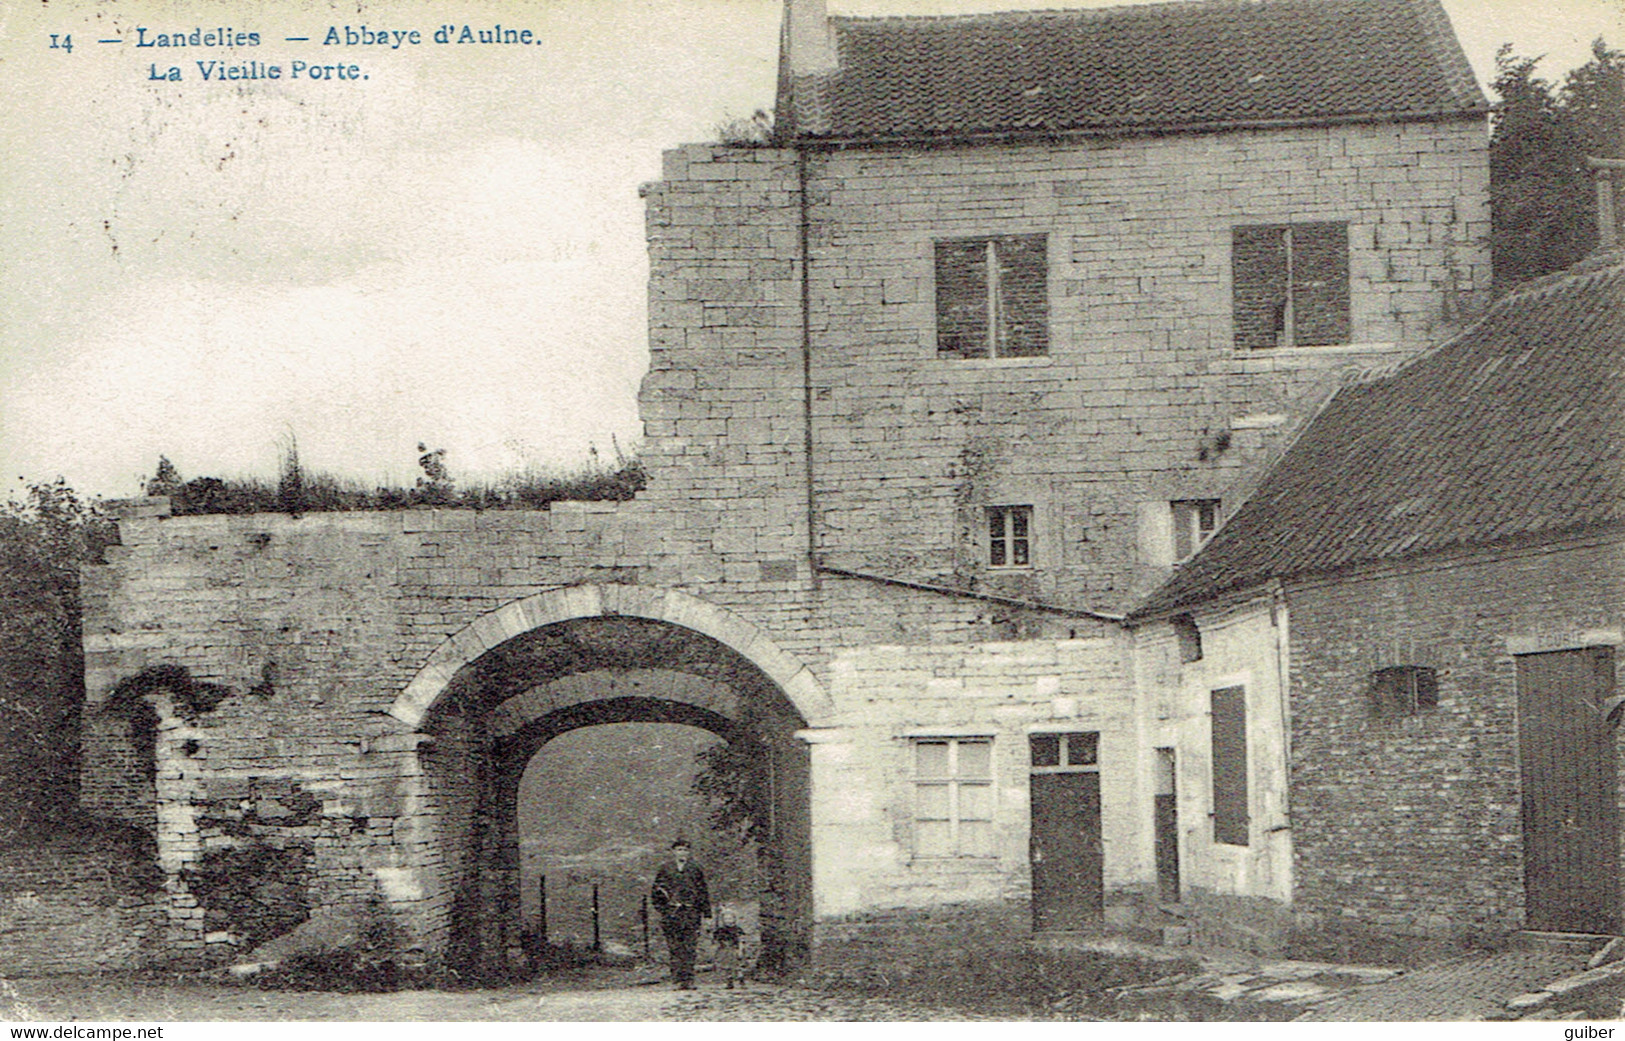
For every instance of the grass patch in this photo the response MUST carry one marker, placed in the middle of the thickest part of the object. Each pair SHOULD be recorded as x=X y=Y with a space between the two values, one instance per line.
x=296 y=492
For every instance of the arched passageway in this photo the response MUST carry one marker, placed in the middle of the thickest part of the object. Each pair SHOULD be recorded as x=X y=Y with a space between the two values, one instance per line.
x=598 y=808
x=503 y=704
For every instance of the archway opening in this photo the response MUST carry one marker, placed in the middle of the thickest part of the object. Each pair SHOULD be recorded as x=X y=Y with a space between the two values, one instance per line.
x=598 y=808
x=503 y=707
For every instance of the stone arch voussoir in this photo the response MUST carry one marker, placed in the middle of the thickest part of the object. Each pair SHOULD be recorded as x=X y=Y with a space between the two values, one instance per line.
x=518 y=617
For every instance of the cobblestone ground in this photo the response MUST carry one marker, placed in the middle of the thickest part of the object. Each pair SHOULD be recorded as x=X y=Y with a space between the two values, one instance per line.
x=1463 y=989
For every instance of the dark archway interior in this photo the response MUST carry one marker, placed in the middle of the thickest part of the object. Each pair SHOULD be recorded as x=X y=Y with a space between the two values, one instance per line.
x=525 y=742
x=503 y=707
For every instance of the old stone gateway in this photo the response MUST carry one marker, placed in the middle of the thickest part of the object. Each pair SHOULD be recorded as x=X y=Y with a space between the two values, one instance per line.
x=499 y=708
x=300 y=798
x=934 y=403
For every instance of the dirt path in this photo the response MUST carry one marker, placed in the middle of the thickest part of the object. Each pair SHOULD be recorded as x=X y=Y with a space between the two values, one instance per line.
x=1463 y=989
x=130 y=999
x=612 y=998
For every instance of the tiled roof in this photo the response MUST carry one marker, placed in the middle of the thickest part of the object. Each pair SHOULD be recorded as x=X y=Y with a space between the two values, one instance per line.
x=1517 y=427
x=1149 y=68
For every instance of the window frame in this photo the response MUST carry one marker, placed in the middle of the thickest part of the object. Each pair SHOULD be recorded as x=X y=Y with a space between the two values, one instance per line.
x=1063 y=763
x=1007 y=539
x=1290 y=293
x=996 y=305
x=1419 y=693
x=954 y=781
x=1193 y=532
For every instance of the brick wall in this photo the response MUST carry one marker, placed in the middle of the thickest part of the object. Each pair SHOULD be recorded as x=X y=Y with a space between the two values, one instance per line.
x=1413 y=824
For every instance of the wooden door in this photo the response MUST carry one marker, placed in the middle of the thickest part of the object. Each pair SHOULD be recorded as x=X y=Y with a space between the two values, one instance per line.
x=1570 y=792
x=1065 y=840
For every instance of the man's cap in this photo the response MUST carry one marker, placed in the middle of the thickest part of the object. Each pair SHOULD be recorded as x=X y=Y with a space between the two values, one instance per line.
x=680 y=844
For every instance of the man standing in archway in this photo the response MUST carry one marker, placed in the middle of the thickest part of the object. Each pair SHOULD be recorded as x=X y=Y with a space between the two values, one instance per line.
x=680 y=896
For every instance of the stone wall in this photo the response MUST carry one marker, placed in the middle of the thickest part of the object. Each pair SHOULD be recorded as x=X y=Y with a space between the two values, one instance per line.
x=1236 y=895
x=863 y=811
x=1143 y=396
x=84 y=901
x=899 y=940
x=305 y=631
x=312 y=627
x=1413 y=824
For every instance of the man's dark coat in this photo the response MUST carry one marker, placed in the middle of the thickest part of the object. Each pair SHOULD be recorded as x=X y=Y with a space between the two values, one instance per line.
x=682 y=900
x=681 y=894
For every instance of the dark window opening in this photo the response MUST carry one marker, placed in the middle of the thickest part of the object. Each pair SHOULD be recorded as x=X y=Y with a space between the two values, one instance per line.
x=993 y=297
x=1403 y=690
x=1009 y=536
x=1290 y=284
x=1083 y=749
x=1230 y=815
x=1195 y=520
x=1066 y=750
x=1190 y=637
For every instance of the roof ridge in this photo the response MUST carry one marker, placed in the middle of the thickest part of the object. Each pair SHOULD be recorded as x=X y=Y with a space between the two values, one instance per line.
x=1164 y=67
x=1581 y=274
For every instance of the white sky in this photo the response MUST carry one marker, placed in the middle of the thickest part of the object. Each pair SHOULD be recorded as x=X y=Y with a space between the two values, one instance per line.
x=450 y=251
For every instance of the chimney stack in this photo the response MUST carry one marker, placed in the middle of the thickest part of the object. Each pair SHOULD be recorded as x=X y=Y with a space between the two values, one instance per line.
x=809 y=45
x=1607 y=217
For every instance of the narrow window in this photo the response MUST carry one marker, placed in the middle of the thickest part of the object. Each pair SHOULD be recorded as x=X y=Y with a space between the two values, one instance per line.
x=993 y=297
x=1190 y=637
x=1194 y=521
x=953 y=797
x=1229 y=720
x=1403 y=690
x=1009 y=536
x=1290 y=284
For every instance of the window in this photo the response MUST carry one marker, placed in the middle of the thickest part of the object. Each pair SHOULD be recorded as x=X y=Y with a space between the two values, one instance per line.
x=953 y=797
x=1230 y=765
x=1009 y=536
x=992 y=297
x=1065 y=752
x=1403 y=690
x=1194 y=522
x=1189 y=636
x=1290 y=284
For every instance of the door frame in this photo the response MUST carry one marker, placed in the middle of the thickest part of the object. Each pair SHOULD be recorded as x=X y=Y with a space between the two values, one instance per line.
x=1066 y=767
x=1550 y=916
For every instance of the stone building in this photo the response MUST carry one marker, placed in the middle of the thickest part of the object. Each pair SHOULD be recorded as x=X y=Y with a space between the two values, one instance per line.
x=1388 y=686
x=1010 y=317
